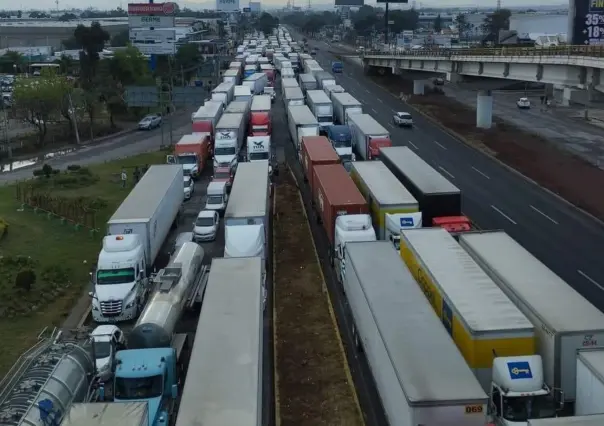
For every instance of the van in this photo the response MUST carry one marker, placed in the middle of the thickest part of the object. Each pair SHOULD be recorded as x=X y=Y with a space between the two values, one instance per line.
x=217 y=197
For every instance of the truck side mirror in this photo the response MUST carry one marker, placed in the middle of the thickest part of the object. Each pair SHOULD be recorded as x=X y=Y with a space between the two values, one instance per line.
x=174 y=391
x=90 y=294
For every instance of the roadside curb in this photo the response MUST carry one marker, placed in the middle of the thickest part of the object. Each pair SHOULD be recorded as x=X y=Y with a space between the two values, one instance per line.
x=462 y=139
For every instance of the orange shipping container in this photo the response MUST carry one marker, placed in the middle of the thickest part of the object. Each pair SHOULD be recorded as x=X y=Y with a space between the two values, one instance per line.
x=316 y=151
x=193 y=151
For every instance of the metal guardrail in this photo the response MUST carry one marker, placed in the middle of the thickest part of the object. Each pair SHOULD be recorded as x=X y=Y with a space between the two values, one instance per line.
x=587 y=51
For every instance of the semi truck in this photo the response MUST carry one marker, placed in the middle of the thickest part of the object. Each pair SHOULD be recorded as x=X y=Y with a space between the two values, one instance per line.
x=260 y=116
x=134 y=237
x=230 y=134
x=249 y=69
x=324 y=79
x=383 y=192
x=342 y=210
x=489 y=330
x=246 y=216
x=231 y=76
x=301 y=122
x=259 y=149
x=321 y=107
x=192 y=152
x=288 y=82
x=293 y=96
x=243 y=93
x=307 y=82
x=341 y=140
x=344 y=104
x=316 y=151
x=269 y=70
x=332 y=89
x=206 y=118
x=590 y=382
x=224 y=382
x=256 y=82
x=564 y=321
x=238 y=107
x=420 y=376
x=154 y=364
x=368 y=136
x=224 y=93
x=439 y=200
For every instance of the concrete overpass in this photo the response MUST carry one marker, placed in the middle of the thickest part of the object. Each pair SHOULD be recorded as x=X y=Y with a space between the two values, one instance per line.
x=484 y=69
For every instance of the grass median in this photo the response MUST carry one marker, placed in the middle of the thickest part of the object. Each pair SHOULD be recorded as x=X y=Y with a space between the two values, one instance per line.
x=45 y=257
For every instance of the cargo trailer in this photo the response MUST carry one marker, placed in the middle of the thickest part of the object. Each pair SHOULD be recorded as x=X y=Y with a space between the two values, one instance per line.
x=332 y=89
x=324 y=79
x=237 y=107
x=256 y=82
x=368 y=136
x=437 y=196
x=243 y=93
x=420 y=375
x=316 y=151
x=597 y=420
x=224 y=93
x=231 y=76
x=107 y=413
x=224 y=377
x=321 y=107
x=344 y=104
x=590 y=382
x=383 y=192
x=478 y=315
x=206 y=117
x=288 y=82
x=301 y=122
x=293 y=96
x=307 y=82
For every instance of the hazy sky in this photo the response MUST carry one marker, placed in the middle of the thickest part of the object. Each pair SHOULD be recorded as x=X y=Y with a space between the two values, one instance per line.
x=104 y=4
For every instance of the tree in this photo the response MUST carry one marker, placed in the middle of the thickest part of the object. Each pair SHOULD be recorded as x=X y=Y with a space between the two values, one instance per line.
x=66 y=64
x=39 y=101
x=267 y=23
x=186 y=60
x=463 y=26
x=121 y=39
x=19 y=14
x=438 y=24
x=497 y=21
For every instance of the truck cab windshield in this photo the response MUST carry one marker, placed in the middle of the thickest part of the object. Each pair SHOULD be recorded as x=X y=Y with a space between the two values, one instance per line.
x=224 y=151
x=115 y=276
x=254 y=156
x=522 y=409
x=325 y=119
x=138 y=387
x=214 y=199
x=342 y=143
x=102 y=350
x=187 y=159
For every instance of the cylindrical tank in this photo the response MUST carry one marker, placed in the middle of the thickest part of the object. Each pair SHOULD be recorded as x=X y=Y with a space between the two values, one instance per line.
x=156 y=324
x=58 y=376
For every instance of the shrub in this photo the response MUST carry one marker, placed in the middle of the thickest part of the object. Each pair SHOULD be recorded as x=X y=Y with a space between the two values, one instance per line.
x=3 y=228
x=47 y=170
x=38 y=172
x=84 y=171
x=25 y=280
x=74 y=167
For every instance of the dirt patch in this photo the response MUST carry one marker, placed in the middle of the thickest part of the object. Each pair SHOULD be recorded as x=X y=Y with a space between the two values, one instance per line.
x=557 y=170
x=313 y=388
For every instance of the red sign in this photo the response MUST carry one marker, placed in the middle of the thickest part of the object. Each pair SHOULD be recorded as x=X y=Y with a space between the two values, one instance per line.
x=151 y=8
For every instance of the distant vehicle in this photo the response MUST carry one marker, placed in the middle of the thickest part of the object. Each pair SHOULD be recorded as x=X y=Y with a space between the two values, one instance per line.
x=337 y=67
x=403 y=119
x=149 y=122
x=206 y=225
x=189 y=187
x=439 y=81
x=224 y=174
x=523 y=103
x=108 y=339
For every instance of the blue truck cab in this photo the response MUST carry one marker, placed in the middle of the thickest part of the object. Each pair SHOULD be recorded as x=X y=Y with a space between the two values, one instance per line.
x=149 y=375
x=337 y=67
x=341 y=140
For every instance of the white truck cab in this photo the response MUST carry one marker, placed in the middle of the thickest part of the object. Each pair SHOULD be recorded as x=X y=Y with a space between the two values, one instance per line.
x=259 y=149
x=107 y=340
x=396 y=222
x=350 y=228
x=120 y=279
x=217 y=196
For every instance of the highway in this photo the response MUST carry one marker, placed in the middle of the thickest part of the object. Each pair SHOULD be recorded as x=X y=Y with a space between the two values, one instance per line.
x=565 y=239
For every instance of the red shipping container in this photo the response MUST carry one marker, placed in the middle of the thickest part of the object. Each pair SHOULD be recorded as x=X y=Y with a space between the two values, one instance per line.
x=316 y=151
x=335 y=194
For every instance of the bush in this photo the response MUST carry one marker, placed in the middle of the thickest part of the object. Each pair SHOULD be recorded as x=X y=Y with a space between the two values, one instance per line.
x=74 y=167
x=47 y=170
x=3 y=228
x=84 y=171
x=25 y=280
x=38 y=172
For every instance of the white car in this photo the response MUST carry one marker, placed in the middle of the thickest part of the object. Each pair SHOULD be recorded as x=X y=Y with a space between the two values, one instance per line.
x=108 y=339
x=150 y=122
x=403 y=119
x=523 y=103
x=189 y=187
x=206 y=225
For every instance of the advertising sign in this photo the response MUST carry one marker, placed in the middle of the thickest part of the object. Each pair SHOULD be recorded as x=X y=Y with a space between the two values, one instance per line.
x=147 y=21
x=227 y=5
x=350 y=2
x=587 y=22
x=153 y=42
x=255 y=6
x=152 y=8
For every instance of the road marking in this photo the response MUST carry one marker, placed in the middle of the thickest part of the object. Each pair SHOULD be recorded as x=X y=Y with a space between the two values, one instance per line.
x=590 y=279
x=373 y=109
x=543 y=214
x=480 y=173
x=367 y=91
x=503 y=214
x=380 y=101
x=411 y=143
x=441 y=145
x=391 y=125
x=445 y=171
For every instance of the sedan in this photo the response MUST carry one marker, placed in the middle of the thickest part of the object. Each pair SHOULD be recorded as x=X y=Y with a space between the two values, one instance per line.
x=523 y=103
x=206 y=225
x=403 y=119
x=149 y=122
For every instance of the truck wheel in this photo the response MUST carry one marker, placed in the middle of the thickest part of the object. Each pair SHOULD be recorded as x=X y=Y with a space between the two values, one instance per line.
x=355 y=338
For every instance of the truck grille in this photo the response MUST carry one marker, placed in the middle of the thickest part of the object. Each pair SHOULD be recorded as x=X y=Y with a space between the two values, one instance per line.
x=111 y=308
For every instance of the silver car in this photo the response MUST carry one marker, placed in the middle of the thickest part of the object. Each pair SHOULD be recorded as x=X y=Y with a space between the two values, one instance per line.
x=150 y=121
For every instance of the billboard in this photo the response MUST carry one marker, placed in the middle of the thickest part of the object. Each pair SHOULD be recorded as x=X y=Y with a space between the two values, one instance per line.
x=350 y=2
x=227 y=5
x=153 y=42
x=255 y=6
x=148 y=21
x=152 y=8
x=587 y=22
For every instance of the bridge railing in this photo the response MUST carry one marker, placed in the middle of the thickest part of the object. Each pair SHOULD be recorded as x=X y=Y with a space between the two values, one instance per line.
x=588 y=51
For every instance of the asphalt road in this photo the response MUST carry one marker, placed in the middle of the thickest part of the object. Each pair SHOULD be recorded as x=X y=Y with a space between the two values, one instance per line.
x=565 y=239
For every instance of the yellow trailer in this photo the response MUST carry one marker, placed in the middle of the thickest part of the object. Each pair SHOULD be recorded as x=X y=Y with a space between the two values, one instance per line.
x=481 y=319
x=383 y=191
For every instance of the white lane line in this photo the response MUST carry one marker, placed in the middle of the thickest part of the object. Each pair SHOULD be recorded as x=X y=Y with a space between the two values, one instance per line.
x=391 y=125
x=543 y=214
x=480 y=173
x=441 y=145
x=368 y=91
x=590 y=279
x=503 y=214
x=373 y=109
x=412 y=144
x=445 y=171
x=380 y=101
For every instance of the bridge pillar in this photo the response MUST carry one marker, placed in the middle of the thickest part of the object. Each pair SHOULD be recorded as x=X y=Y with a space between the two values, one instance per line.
x=484 y=109
x=418 y=87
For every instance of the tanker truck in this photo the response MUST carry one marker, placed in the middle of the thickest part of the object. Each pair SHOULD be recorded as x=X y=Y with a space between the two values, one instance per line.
x=154 y=363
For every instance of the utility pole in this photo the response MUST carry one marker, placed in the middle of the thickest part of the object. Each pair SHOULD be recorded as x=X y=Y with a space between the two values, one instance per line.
x=74 y=119
x=386 y=25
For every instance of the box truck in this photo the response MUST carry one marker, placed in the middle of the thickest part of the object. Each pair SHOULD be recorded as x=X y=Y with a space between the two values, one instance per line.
x=230 y=134
x=563 y=319
x=321 y=107
x=342 y=210
x=344 y=104
x=383 y=192
x=307 y=82
x=256 y=82
x=420 y=376
x=134 y=237
x=246 y=216
x=260 y=116
x=301 y=122
x=316 y=151
x=192 y=152
x=293 y=96
x=206 y=118
x=368 y=136
x=224 y=93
